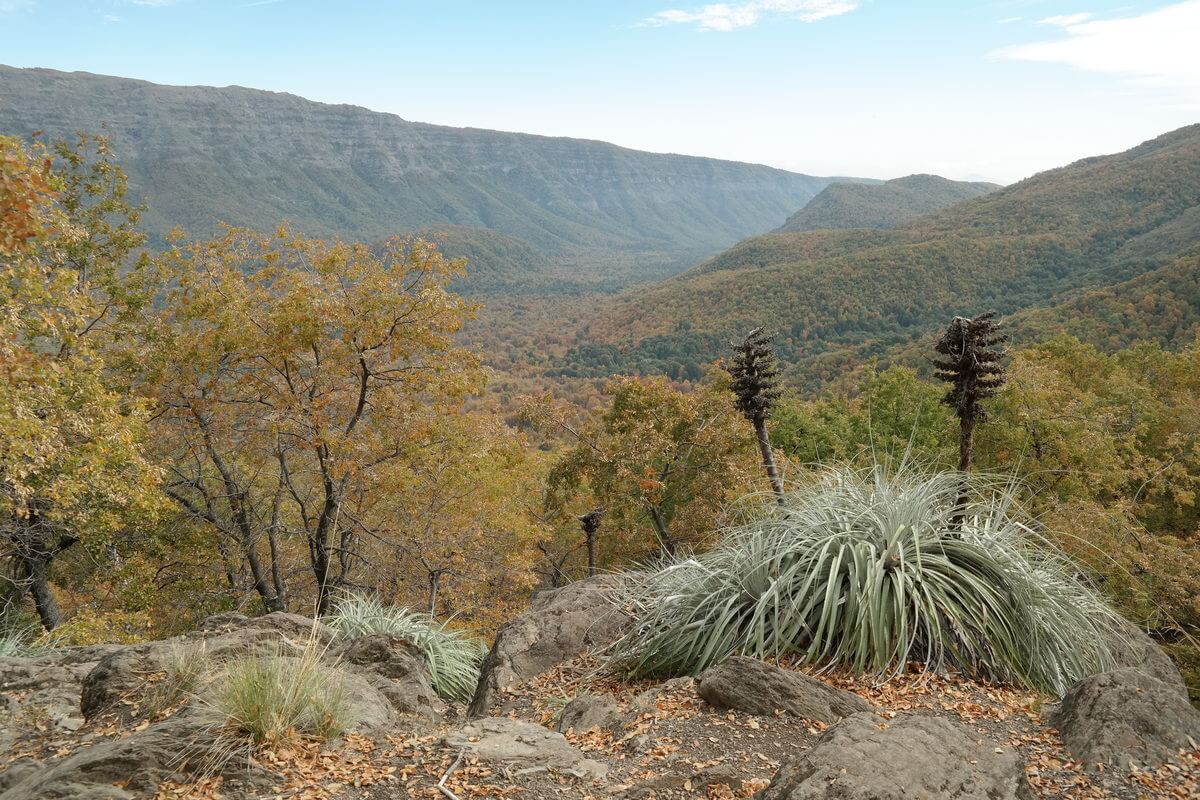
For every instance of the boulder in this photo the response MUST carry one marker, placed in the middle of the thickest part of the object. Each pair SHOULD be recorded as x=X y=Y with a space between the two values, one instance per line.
x=866 y=758
x=294 y=627
x=560 y=625
x=39 y=689
x=120 y=679
x=522 y=746
x=591 y=711
x=1133 y=649
x=398 y=669
x=756 y=687
x=117 y=769
x=1126 y=717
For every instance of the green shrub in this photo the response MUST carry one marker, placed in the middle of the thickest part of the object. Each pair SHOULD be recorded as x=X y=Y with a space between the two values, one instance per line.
x=272 y=695
x=864 y=570
x=454 y=659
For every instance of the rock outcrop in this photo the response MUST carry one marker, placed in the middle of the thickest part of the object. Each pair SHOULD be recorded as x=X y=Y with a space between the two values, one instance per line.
x=1126 y=717
x=523 y=747
x=398 y=669
x=867 y=758
x=118 y=769
x=756 y=687
x=591 y=711
x=560 y=625
x=1133 y=649
x=120 y=678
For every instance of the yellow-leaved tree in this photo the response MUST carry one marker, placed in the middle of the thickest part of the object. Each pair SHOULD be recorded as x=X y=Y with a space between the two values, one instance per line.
x=662 y=465
x=73 y=467
x=302 y=388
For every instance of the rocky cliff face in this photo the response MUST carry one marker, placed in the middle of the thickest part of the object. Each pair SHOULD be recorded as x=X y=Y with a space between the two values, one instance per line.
x=200 y=155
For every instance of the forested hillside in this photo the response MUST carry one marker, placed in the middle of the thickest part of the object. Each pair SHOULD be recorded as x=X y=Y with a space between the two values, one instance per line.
x=200 y=155
x=882 y=205
x=839 y=297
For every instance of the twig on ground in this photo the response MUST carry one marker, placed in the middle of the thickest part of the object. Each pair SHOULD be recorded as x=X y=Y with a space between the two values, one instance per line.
x=441 y=785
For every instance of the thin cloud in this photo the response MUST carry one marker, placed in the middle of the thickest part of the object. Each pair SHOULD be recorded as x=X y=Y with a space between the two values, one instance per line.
x=731 y=16
x=13 y=6
x=1156 y=47
x=1065 y=20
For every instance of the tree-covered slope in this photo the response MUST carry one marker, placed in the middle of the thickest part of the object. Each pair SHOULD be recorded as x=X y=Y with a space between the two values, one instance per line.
x=840 y=296
x=1162 y=306
x=881 y=205
x=199 y=155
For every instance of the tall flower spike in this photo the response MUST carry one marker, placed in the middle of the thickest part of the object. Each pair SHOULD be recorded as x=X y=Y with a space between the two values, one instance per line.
x=755 y=374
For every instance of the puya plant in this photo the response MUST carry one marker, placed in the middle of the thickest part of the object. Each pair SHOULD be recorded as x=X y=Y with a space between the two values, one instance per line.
x=454 y=658
x=755 y=373
x=864 y=570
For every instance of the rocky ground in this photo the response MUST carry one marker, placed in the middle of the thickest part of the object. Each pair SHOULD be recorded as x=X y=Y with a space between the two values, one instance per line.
x=108 y=722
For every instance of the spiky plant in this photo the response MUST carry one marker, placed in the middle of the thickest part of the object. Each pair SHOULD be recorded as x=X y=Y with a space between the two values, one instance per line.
x=454 y=659
x=971 y=351
x=755 y=374
x=590 y=522
x=863 y=570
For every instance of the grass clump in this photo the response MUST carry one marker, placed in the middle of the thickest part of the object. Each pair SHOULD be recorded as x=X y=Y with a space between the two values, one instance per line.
x=454 y=658
x=15 y=644
x=866 y=570
x=186 y=666
x=274 y=695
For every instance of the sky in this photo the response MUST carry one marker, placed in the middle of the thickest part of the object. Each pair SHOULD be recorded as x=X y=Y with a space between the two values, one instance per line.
x=993 y=90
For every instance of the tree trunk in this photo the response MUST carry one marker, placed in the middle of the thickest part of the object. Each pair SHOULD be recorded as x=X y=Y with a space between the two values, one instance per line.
x=276 y=573
x=664 y=536
x=768 y=459
x=435 y=583
x=591 y=551
x=36 y=575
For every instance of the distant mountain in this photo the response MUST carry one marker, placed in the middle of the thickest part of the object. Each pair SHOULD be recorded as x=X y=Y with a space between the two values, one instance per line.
x=1075 y=238
x=201 y=155
x=881 y=205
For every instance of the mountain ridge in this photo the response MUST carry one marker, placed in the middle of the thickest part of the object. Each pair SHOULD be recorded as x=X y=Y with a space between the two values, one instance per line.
x=200 y=155
x=881 y=205
x=840 y=298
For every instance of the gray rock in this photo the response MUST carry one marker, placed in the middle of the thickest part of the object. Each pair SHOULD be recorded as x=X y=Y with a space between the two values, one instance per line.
x=120 y=679
x=756 y=687
x=523 y=746
x=1126 y=717
x=139 y=762
x=560 y=625
x=398 y=669
x=591 y=711
x=40 y=689
x=865 y=758
x=1133 y=649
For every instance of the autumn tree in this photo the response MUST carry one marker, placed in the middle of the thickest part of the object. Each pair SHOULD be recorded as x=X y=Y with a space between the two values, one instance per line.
x=755 y=375
x=72 y=464
x=289 y=375
x=454 y=524
x=970 y=351
x=662 y=463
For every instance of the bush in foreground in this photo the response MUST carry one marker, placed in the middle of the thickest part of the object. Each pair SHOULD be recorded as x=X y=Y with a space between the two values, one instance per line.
x=454 y=659
x=865 y=570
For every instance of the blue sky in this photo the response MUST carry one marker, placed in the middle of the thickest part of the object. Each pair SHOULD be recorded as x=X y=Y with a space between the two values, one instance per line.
x=976 y=90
